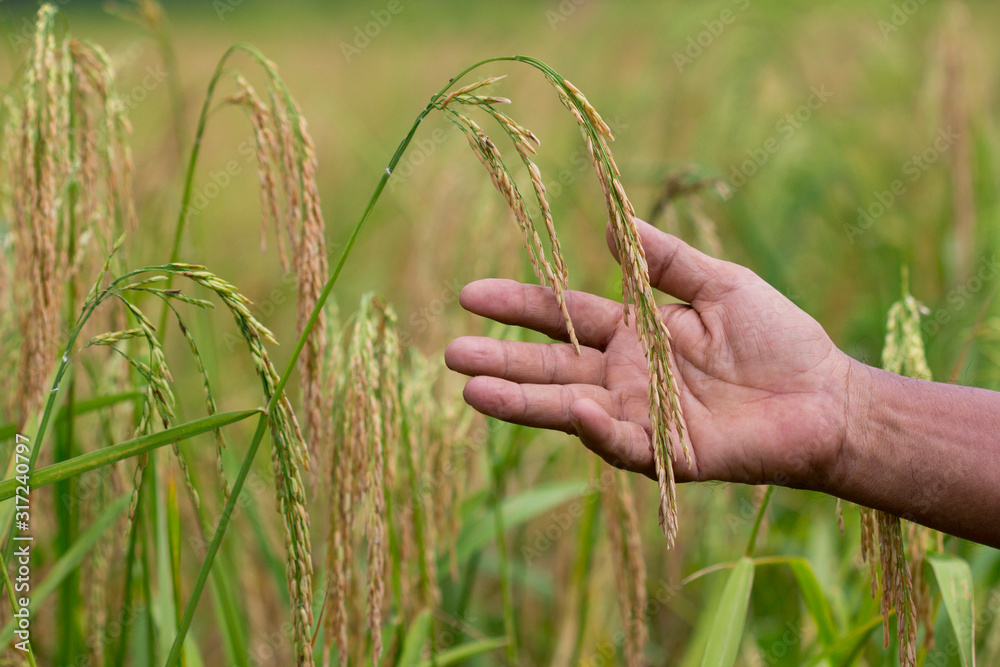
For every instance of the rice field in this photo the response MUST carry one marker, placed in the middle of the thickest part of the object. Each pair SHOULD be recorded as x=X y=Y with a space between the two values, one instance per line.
x=233 y=239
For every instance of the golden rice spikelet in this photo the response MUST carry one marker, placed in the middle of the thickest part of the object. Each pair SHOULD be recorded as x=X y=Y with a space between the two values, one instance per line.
x=903 y=353
x=361 y=473
x=38 y=170
x=288 y=456
x=666 y=419
x=627 y=560
x=290 y=204
x=489 y=155
x=67 y=128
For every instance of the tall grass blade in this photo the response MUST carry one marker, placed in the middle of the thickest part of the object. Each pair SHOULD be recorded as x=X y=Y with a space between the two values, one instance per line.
x=459 y=654
x=517 y=510
x=727 y=630
x=174 y=549
x=416 y=639
x=108 y=455
x=954 y=578
x=816 y=602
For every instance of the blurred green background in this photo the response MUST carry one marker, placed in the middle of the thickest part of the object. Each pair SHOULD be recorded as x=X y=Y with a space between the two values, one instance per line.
x=809 y=112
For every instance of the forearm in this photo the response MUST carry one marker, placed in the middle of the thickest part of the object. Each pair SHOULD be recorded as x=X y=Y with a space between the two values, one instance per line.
x=925 y=451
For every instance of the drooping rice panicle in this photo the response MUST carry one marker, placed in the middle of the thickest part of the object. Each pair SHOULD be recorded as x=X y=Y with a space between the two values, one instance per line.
x=289 y=455
x=38 y=170
x=489 y=155
x=902 y=591
x=627 y=562
x=362 y=475
x=69 y=175
x=666 y=419
x=290 y=204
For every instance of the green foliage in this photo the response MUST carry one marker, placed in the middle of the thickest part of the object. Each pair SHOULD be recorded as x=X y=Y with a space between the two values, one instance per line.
x=954 y=579
x=727 y=629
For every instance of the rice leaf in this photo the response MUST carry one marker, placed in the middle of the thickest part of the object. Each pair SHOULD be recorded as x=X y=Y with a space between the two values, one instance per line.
x=954 y=578
x=816 y=602
x=102 y=457
x=458 y=654
x=416 y=638
x=727 y=630
x=478 y=531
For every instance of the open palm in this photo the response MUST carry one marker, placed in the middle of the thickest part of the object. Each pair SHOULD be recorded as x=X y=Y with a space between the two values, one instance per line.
x=763 y=388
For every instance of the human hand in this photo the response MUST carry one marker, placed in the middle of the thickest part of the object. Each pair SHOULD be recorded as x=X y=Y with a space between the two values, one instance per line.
x=763 y=388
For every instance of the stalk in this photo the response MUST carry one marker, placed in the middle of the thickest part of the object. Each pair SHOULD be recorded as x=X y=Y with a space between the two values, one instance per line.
x=320 y=303
x=496 y=474
x=752 y=542
x=66 y=515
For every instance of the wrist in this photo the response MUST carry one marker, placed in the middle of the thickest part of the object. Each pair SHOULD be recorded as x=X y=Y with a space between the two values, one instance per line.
x=859 y=406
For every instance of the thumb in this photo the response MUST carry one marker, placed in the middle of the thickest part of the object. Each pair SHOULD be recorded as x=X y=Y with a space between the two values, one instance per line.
x=678 y=269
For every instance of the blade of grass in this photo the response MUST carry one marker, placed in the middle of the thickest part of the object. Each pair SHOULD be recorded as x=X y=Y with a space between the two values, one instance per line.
x=847 y=649
x=108 y=455
x=117 y=657
x=517 y=510
x=581 y=571
x=459 y=654
x=497 y=476
x=174 y=546
x=66 y=533
x=213 y=546
x=752 y=542
x=727 y=630
x=85 y=406
x=416 y=638
x=816 y=602
x=954 y=579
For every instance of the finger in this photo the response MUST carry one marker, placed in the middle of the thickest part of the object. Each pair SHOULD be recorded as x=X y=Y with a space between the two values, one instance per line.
x=622 y=444
x=680 y=270
x=539 y=363
x=536 y=307
x=538 y=405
